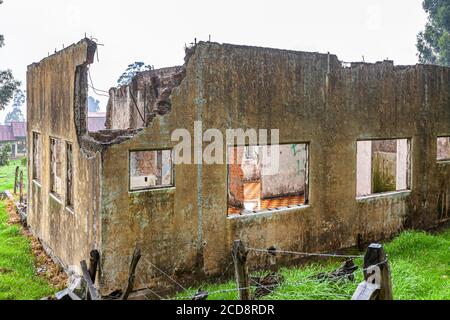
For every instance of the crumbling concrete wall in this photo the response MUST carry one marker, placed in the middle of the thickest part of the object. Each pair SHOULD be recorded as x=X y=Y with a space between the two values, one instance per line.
x=135 y=105
x=309 y=97
x=184 y=229
x=70 y=233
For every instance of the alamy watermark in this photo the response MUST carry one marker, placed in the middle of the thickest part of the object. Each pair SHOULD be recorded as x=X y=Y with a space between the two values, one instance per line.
x=192 y=150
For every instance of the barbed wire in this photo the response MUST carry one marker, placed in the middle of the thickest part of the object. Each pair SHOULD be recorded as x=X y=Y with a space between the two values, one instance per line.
x=295 y=283
x=165 y=274
x=369 y=268
x=306 y=254
x=147 y=287
x=259 y=285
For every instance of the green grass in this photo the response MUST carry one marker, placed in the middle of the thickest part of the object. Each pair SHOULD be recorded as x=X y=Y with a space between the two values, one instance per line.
x=18 y=279
x=7 y=174
x=420 y=265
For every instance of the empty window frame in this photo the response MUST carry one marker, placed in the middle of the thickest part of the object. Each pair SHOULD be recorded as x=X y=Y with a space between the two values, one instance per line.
x=151 y=169
x=56 y=158
x=69 y=175
x=255 y=184
x=383 y=166
x=443 y=149
x=36 y=167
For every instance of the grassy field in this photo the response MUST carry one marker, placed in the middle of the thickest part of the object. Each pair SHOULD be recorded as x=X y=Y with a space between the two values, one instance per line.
x=18 y=278
x=7 y=174
x=420 y=265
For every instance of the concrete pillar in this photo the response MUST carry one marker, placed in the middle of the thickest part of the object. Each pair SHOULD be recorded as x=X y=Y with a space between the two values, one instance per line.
x=364 y=168
x=402 y=164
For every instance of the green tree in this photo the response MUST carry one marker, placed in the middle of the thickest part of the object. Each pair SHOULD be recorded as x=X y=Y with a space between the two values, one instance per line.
x=8 y=85
x=16 y=114
x=434 y=42
x=131 y=71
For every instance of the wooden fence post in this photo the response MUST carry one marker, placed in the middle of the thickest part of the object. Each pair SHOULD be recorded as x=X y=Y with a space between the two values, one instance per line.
x=93 y=293
x=16 y=180
x=132 y=274
x=239 y=254
x=377 y=283
x=21 y=187
x=93 y=266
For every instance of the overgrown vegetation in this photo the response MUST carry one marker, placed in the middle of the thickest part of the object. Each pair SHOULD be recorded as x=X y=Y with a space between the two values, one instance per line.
x=18 y=278
x=420 y=265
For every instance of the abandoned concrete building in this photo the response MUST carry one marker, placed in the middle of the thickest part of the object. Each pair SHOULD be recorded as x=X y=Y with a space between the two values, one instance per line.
x=364 y=152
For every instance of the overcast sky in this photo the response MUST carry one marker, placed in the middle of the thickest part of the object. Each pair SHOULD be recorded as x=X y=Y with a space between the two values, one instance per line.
x=155 y=32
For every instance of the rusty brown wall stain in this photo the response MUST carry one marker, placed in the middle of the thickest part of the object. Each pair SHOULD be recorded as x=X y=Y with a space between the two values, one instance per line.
x=311 y=98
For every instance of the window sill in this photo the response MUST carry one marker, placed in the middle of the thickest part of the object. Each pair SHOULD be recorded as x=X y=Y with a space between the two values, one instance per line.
x=153 y=190
x=56 y=198
x=383 y=195
x=443 y=161
x=70 y=210
x=37 y=183
x=268 y=213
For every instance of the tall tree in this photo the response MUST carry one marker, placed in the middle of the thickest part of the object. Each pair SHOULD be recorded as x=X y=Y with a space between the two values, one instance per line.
x=16 y=114
x=131 y=71
x=7 y=83
x=434 y=42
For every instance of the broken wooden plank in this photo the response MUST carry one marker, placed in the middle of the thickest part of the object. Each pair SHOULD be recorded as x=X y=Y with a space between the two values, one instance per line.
x=67 y=294
x=94 y=295
x=132 y=274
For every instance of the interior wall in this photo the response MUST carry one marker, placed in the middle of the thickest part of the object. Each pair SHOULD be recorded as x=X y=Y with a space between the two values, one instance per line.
x=291 y=173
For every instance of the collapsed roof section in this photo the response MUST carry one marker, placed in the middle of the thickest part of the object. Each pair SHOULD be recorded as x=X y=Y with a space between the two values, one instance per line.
x=131 y=108
x=149 y=93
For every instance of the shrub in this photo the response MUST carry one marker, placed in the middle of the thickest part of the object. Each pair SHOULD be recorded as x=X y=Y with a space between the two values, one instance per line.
x=5 y=155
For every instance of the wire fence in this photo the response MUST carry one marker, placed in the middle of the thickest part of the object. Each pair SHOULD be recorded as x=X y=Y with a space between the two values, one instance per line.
x=281 y=290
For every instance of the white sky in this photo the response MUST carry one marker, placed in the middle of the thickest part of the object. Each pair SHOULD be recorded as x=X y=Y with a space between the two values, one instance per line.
x=155 y=32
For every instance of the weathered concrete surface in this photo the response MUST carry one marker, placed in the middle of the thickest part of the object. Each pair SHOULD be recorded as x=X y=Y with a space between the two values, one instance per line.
x=310 y=98
x=50 y=103
x=148 y=94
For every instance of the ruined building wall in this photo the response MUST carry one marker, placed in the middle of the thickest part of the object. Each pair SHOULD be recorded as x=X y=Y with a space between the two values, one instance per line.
x=68 y=233
x=310 y=98
x=184 y=229
x=134 y=105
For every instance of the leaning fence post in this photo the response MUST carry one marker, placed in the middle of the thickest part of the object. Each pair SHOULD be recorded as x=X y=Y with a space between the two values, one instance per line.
x=239 y=254
x=16 y=178
x=93 y=266
x=377 y=284
x=21 y=187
